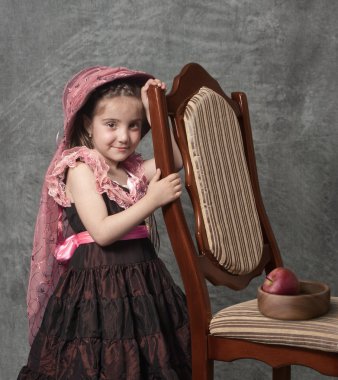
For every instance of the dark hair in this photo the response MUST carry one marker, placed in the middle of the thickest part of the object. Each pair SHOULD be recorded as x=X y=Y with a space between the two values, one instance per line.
x=122 y=87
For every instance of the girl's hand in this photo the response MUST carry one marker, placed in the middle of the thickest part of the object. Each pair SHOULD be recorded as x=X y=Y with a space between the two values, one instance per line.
x=144 y=93
x=165 y=190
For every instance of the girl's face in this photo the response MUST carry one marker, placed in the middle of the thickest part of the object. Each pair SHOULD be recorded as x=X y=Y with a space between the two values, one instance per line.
x=116 y=127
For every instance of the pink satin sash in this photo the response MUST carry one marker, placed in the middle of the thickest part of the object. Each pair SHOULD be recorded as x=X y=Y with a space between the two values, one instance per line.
x=65 y=250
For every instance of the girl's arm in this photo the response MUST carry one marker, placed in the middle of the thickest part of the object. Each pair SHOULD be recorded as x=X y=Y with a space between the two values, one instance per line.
x=149 y=165
x=104 y=228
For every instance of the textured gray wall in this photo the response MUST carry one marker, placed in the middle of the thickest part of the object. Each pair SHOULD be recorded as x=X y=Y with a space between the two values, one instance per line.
x=283 y=54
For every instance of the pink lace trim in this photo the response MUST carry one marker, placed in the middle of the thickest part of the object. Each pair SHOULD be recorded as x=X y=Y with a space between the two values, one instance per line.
x=133 y=166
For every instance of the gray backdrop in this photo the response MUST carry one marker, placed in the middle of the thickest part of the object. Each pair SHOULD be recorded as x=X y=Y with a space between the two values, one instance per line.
x=283 y=54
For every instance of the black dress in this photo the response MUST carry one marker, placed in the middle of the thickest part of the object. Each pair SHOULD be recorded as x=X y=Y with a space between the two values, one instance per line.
x=115 y=314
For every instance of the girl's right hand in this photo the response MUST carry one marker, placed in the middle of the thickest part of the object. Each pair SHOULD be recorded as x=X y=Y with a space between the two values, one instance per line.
x=165 y=190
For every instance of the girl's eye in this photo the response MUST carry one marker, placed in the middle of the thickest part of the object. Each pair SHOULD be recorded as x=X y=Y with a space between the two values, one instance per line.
x=112 y=124
x=135 y=126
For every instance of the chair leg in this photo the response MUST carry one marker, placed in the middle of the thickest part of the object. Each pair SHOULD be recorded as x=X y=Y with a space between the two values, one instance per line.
x=202 y=366
x=203 y=370
x=282 y=373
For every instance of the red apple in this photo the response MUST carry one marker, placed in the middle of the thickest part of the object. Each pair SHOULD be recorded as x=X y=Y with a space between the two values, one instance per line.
x=281 y=281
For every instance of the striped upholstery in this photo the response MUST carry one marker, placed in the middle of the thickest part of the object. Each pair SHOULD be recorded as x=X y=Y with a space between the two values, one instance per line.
x=244 y=321
x=219 y=165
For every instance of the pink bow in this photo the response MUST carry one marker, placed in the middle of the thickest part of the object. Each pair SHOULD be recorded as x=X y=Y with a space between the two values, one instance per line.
x=65 y=250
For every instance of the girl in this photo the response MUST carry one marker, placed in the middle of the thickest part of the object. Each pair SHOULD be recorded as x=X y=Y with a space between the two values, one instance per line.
x=110 y=308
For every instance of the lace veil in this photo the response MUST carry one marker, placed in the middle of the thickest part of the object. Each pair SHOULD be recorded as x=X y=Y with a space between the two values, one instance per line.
x=45 y=270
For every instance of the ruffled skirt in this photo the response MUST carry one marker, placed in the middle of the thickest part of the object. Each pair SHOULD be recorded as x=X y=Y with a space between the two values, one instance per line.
x=120 y=321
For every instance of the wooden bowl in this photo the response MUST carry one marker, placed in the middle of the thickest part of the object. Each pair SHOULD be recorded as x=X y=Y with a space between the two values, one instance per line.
x=312 y=301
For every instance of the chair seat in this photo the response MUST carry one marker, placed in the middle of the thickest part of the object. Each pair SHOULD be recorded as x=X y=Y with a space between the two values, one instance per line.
x=244 y=321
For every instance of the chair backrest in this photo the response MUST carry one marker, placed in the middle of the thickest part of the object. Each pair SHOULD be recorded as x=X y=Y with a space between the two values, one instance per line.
x=234 y=237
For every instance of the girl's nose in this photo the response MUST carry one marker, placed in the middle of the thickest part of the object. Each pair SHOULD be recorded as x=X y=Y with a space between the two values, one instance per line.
x=123 y=134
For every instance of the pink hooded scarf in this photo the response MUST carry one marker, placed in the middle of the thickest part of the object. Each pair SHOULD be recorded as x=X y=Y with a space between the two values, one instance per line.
x=45 y=270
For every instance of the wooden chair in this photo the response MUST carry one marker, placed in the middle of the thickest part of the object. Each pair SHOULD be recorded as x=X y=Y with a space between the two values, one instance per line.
x=234 y=237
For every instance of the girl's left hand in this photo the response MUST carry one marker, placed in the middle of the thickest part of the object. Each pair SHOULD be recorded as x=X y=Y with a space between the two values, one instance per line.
x=144 y=93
